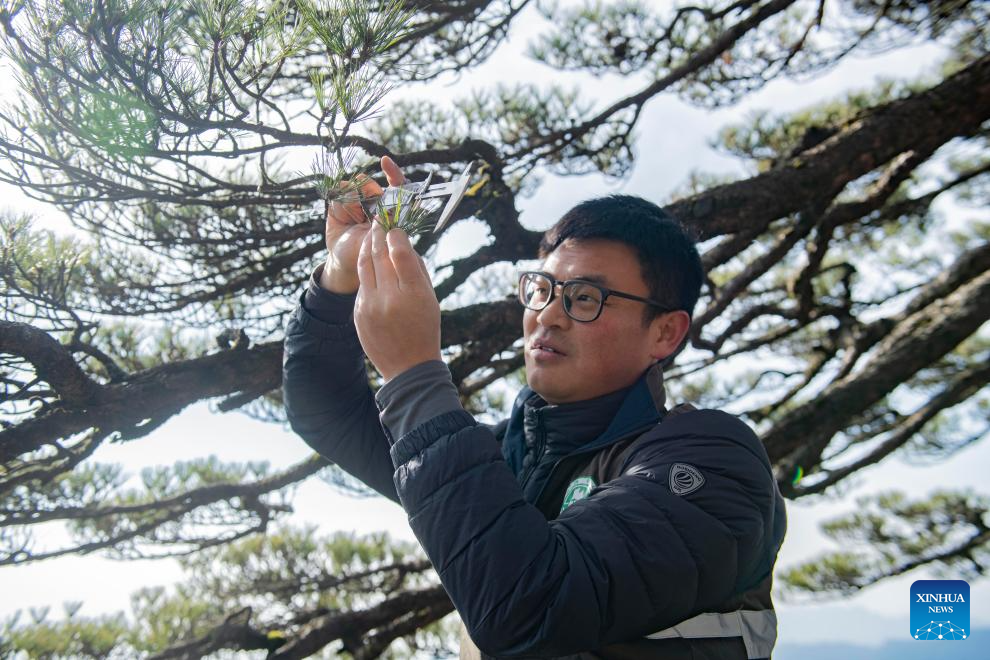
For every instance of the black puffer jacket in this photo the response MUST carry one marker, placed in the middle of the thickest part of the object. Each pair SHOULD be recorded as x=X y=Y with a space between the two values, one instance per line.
x=593 y=530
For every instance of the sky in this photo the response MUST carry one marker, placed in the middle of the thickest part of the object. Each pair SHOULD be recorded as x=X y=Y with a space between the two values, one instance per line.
x=674 y=139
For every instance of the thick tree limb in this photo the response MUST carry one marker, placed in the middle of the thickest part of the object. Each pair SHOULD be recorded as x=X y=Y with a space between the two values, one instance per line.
x=499 y=369
x=234 y=632
x=956 y=392
x=326 y=629
x=479 y=321
x=801 y=436
x=493 y=328
x=377 y=626
x=923 y=122
x=52 y=362
x=971 y=264
x=154 y=394
x=376 y=643
x=161 y=392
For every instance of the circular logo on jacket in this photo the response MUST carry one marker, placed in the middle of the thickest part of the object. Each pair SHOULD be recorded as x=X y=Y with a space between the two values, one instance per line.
x=685 y=479
x=578 y=490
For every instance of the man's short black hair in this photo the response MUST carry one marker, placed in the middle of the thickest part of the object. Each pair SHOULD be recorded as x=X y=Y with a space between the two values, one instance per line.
x=668 y=258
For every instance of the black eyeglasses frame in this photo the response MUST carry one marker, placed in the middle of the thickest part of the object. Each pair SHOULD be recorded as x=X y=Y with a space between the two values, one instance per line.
x=606 y=292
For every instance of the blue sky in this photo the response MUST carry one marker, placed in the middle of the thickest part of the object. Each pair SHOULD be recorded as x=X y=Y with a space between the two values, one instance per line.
x=674 y=139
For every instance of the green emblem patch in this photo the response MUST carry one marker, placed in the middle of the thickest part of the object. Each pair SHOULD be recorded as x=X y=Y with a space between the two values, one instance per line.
x=578 y=490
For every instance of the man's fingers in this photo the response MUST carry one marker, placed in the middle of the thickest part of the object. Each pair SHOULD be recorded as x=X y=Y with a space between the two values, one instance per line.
x=409 y=268
x=346 y=213
x=346 y=208
x=393 y=174
x=366 y=265
x=384 y=270
x=369 y=187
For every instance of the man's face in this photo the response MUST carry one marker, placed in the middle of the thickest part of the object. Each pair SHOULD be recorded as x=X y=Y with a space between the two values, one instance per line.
x=567 y=360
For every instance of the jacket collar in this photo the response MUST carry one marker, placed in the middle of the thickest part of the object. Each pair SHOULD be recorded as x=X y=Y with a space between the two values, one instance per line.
x=566 y=427
x=584 y=425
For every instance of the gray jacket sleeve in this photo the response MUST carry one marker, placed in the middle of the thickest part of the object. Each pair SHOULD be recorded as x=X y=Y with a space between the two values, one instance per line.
x=416 y=396
x=327 y=397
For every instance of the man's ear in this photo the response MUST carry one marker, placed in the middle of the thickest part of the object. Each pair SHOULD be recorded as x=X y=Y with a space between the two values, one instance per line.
x=667 y=332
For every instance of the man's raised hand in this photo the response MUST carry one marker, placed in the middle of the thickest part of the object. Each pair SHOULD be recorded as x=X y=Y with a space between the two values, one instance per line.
x=347 y=225
x=396 y=314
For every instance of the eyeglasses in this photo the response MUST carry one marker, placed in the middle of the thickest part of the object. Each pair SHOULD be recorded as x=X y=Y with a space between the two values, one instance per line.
x=582 y=301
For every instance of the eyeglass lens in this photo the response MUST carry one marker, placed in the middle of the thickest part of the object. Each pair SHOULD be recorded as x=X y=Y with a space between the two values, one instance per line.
x=581 y=301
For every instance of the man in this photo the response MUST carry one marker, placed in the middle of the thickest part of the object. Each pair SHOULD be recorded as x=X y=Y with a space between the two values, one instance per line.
x=593 y=523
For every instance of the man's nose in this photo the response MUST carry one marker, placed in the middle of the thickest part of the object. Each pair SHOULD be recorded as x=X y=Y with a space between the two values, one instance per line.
x=553 y=315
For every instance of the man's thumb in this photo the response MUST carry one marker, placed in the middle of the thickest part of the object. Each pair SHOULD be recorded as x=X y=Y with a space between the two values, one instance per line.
x=392 y=172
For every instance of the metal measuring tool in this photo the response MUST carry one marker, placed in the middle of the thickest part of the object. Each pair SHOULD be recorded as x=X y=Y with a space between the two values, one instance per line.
x=422 y=194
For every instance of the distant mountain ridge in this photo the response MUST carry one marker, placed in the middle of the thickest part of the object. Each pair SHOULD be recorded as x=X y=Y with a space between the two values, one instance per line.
x=974 y=648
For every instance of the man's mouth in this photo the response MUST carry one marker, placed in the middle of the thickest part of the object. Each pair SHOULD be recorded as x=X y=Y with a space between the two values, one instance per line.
x=545 y=347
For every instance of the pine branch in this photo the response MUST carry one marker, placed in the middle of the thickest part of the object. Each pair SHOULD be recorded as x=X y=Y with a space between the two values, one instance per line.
x=547 y=146
x=326 y=629
x=959 y=390
x=156 y=393
x=921 y=122
x=160 y=513
x=801 y=436
x=52 y=362
x=234 y=632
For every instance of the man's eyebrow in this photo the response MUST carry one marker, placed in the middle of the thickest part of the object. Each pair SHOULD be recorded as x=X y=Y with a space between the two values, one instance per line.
x=594 y=278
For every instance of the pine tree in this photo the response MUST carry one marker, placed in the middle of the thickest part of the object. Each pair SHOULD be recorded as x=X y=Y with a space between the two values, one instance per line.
x=843 y=315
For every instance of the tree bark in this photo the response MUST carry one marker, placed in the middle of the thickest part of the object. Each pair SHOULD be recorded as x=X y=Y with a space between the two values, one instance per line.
x=153 y=394
x=922 y=122
x=801 y=436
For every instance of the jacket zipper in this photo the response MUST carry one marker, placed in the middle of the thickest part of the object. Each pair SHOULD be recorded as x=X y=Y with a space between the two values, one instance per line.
x=575 y=454
x=541 y=446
